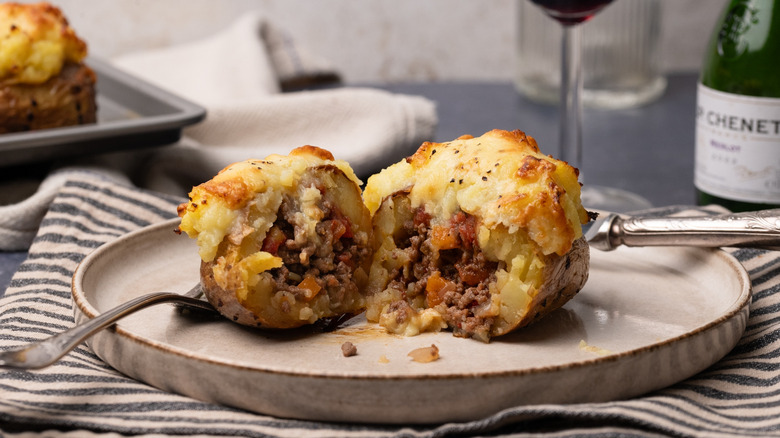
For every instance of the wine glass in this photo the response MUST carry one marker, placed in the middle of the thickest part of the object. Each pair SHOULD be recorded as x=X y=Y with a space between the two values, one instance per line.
x=571 y=13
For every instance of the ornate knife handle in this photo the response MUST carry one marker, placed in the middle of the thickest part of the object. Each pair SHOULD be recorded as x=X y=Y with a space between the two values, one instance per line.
x=759 y=229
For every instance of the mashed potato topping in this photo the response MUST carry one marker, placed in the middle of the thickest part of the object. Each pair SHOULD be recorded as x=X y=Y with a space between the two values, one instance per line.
x=35 y=43
x=218 y=208
x=501 y=177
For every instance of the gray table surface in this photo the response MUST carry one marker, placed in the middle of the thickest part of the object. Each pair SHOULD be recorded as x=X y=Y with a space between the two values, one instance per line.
x=646 y=150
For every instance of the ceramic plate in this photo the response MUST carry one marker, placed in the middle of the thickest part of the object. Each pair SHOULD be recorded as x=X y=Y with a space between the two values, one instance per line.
x=646 y=319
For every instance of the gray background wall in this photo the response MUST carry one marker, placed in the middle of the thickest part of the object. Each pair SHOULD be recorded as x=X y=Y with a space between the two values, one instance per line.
x=371 y=40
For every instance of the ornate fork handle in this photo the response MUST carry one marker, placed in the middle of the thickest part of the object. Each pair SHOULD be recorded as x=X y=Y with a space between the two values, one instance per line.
x=759 y=229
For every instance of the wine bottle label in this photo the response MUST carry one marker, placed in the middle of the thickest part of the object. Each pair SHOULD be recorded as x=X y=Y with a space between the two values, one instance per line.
x=738 y=146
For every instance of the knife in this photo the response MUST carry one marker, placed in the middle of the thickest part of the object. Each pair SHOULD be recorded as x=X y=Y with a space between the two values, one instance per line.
x=757 y=229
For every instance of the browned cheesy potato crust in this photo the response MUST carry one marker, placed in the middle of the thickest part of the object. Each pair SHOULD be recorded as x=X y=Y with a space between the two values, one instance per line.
x=480 y=235
x=43 y=81
x=284 y=241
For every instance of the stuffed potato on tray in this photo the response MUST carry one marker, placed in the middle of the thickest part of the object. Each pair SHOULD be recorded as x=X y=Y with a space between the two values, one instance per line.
x=43 y=80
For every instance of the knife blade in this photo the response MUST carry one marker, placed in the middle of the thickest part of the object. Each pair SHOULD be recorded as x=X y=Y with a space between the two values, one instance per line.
x=758 y=229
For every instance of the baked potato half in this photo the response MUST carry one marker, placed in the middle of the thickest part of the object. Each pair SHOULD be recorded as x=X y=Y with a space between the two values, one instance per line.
x=479 y=235
x=284 y=241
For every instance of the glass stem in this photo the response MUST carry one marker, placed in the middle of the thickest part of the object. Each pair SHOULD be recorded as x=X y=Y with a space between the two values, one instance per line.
x=571 y=91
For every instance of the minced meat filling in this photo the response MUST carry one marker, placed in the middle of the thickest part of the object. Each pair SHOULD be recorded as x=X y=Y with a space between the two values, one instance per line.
x=464 y=266
x=329 y=262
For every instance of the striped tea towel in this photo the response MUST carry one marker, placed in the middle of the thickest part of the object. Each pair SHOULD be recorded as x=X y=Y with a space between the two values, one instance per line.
x=80 y=396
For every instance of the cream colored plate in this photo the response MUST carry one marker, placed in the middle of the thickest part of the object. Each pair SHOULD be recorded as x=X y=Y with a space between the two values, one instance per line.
x=648 y=318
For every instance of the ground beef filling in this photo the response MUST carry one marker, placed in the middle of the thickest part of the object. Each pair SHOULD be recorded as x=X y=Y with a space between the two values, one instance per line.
x=464 y=267
x=328 y=262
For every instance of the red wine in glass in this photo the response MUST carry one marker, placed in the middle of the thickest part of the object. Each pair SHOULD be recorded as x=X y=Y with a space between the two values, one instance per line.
x=570 y=12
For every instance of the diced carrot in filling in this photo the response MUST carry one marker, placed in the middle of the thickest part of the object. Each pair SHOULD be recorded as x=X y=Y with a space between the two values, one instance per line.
x=436 y=287
x=459 y=233
x=340 y=227
x=310 y=285
x=444 y=237
x=337 y=228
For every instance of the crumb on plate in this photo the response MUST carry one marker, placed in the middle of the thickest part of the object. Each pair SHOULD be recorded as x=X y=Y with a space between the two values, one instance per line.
x=348 y=349
x=584 y=346
x=425 y=354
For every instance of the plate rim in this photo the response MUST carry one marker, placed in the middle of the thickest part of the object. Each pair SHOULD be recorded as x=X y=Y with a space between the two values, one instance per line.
x=83 y=305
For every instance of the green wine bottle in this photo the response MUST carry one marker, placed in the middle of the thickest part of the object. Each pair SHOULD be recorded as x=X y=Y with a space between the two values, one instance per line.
x=738 y=110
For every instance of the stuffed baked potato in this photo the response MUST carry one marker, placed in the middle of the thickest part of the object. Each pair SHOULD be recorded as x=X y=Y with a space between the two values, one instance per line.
x=284 y=241
x=43 y=81
x=482 y=235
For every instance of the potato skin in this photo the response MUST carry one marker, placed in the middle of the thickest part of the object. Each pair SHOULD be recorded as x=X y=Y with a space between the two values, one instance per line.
x=564 y=276
x=64 y=100
x=225 y=301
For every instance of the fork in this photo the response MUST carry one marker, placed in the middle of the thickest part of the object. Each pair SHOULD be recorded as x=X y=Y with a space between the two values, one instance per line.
x=48 y=351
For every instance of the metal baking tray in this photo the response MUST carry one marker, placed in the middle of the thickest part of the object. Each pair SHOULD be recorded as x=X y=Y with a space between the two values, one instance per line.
x=132 y=114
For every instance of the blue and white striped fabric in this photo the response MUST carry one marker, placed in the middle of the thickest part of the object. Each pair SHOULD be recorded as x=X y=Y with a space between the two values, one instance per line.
x=81 y=396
